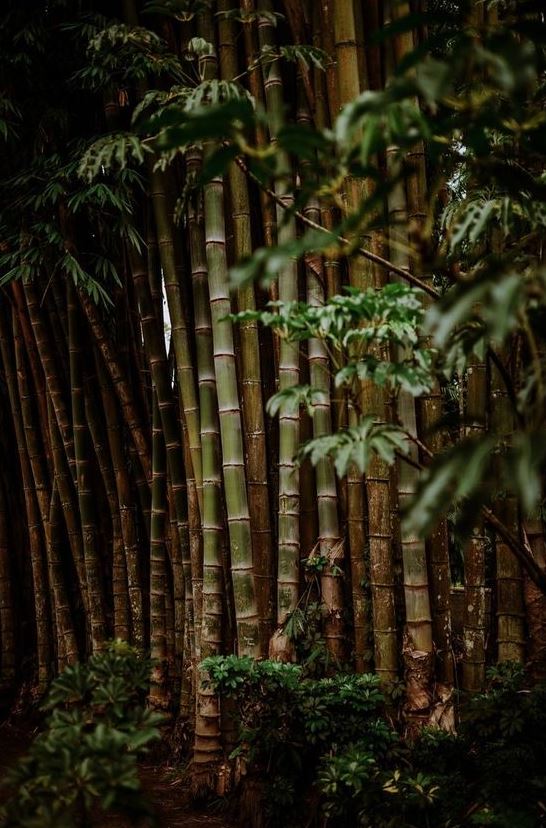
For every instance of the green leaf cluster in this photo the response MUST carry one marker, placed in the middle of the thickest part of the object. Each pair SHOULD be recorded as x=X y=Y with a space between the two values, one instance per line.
x=84 y=762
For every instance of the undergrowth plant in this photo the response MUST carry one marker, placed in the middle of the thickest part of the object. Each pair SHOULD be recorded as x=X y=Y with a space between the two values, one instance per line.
x=84 y=762
x=328 y=754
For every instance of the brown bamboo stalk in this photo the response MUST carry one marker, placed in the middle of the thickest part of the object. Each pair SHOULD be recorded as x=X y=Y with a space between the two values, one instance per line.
x=65 y=640
x=158 y=695
x=120 y=591
x=7 y=610
x=50 y=367
x=127 y=509
x=474 y=617
x=120 y=383
x=509 y=576
x=95 y=587
x=35 y=538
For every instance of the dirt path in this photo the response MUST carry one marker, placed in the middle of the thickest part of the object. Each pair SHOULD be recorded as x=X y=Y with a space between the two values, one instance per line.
x=162 y=785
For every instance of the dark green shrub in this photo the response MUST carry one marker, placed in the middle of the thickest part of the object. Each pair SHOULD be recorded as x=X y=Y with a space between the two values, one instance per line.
x=85 y=760
x=325 y=746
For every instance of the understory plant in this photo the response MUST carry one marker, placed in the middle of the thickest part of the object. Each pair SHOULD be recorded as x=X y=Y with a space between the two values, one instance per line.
x=328 y=753
x=84 y=762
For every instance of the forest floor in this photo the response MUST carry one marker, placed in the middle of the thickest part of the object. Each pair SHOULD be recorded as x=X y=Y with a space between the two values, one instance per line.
x=163 y=785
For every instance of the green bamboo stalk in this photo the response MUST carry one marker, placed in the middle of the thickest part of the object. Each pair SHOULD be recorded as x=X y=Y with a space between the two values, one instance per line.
x=331 y=545
x=229 y=407
x=251 y=382
x=179 y=331
x=429 y=406
x=207 y=745
x=240 y=535
x=378 y=481
x=418 y=645
x=255 y=85
x=289 y=425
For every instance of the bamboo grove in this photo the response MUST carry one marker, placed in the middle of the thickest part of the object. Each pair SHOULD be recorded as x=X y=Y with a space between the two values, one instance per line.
x=153 y=158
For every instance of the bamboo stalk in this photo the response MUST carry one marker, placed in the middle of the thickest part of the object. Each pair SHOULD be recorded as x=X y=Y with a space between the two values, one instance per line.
x=418 y=642
x=474 y=553
x=63 y=610
x=127 y=510
x=67 y=650
x=229 y=408
x=7 y=610
x=331 y=545
x=289 y=425
x=95 y=587
x=179 y=331
x=51 y=372
x=120 y=591
x=158 y=696
x=120 y=383
x=34 y=536
x=378 y=477
x=251 y=374
x=154 y=343
x=510 y=607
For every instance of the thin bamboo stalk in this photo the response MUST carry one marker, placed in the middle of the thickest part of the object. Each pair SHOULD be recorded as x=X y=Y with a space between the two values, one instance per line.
x=330 y=542
x=53 y=380
x=120 y=591
x=158 y=696
x=67 y=650
x=35 y=538
x=510 y=607
x=95 y=587
x=68 y=644
x=474 y=553
x=7 y=613
x=128 y=516
x=154 y=343
x=120 y=383
x=289 y=425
